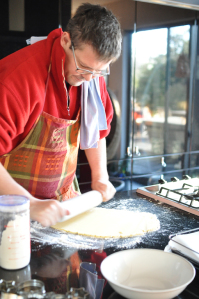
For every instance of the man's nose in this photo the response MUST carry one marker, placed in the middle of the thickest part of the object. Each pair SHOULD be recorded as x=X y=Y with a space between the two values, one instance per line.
x=88 y=77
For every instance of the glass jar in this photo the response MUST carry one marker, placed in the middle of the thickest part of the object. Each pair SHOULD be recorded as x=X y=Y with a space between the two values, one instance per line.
x=14 y=232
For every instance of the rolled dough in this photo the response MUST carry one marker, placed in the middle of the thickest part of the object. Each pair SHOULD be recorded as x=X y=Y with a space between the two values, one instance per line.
x=110 y=223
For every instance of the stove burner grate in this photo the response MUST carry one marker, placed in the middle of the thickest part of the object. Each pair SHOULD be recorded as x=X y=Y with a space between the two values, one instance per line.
x=187 y=195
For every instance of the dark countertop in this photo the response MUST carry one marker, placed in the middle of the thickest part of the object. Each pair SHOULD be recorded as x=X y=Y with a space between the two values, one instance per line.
x=58 y=265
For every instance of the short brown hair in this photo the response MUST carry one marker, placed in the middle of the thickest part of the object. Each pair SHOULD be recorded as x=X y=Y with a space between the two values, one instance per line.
x=97 y=26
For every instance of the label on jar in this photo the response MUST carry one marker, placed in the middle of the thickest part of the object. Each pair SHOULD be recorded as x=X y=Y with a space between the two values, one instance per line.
x=15 y=243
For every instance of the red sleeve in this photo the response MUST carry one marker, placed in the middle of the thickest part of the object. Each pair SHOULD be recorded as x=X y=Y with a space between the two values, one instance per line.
x=11 y=120
x=17 y=115
x=107 y=106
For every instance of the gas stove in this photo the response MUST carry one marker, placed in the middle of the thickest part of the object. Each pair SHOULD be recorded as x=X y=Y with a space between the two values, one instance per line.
x=182 y=194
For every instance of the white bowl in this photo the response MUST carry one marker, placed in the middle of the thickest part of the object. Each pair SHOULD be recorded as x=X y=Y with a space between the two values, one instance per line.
x=147 y=273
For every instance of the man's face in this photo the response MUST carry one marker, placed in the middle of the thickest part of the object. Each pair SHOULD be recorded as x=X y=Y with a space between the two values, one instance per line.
x=86 y=58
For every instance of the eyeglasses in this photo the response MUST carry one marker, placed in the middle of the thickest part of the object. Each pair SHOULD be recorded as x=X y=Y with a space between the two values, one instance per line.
x=86 y=72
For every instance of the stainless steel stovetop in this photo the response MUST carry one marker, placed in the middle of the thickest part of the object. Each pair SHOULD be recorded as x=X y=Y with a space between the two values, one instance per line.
x=182 y=194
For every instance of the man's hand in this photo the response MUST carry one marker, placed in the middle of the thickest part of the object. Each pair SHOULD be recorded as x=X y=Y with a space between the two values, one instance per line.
x=105 y=188
x=47 y=212
x=99 y=175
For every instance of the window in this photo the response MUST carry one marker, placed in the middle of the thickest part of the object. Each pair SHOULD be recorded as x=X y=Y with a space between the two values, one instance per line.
x=160 y=98
x=161 y=90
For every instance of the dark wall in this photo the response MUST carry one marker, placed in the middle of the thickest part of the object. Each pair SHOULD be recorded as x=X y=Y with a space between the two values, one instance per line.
x=4 y=25
x=41 y=17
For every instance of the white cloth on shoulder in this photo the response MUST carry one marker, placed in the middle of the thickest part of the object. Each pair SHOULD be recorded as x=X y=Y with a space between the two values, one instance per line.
x=93 y=116
x=35 y=39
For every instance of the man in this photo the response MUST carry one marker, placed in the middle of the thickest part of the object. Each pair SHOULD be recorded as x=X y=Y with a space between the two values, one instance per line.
x=46 y=90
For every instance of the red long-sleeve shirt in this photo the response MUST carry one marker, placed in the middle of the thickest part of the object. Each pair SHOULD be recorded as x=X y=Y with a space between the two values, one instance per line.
x=23 y=76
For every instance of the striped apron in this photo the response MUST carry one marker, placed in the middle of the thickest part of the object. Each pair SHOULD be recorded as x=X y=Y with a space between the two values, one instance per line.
x=45 y=162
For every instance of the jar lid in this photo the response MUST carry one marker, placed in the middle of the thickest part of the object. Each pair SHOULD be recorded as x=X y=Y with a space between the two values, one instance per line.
x=14 y=203
x=34 y=285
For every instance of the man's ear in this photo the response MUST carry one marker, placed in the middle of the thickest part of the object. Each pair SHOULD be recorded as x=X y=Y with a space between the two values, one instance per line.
x=65 y=39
